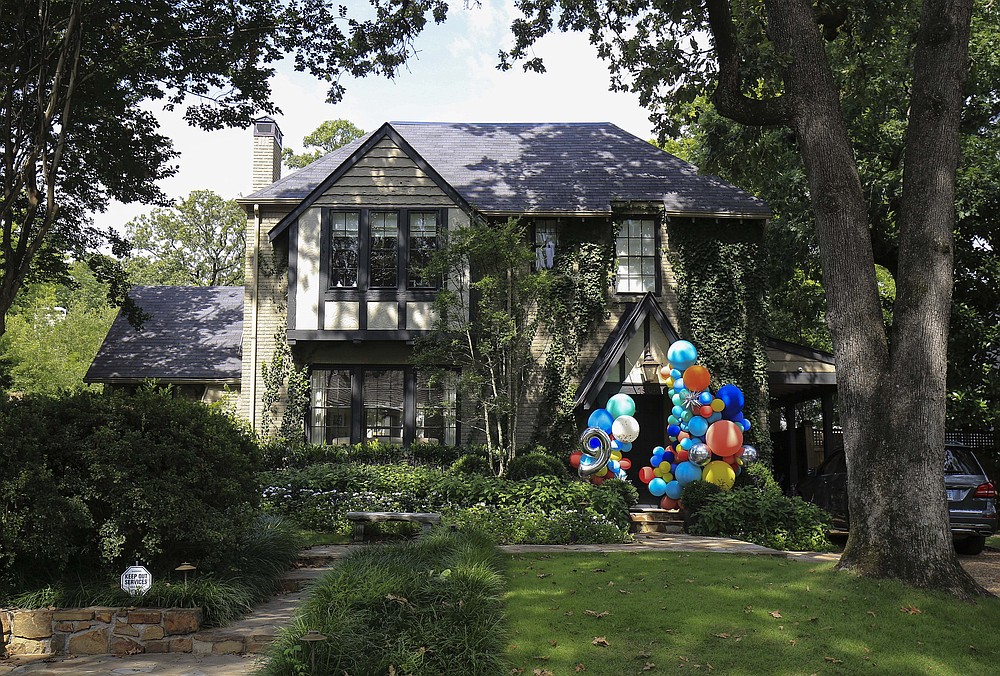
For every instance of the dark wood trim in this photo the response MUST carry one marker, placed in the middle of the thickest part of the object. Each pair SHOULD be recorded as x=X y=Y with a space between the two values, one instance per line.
x=795 y=378
x=293 y=274
x=357 y=401
x=353 y=336
x=800 y=350
x=324 y=266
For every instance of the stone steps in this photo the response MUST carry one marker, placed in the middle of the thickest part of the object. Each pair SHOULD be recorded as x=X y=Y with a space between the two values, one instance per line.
x=647 y=520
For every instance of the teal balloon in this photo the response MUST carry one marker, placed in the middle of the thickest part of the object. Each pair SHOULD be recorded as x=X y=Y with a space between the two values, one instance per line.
x=674 y=420
x=697 y=426
x=687 y=472
x=657 y=486
x=621 y=404
x=682 y=354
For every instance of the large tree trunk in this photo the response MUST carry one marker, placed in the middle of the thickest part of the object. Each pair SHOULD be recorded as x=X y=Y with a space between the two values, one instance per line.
x=891 y=399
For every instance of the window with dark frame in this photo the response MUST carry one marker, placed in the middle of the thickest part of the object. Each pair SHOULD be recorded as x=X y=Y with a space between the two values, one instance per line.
x=380 y=406
x=344 y=249
x=383 y=250
x=636 y=251
x=330 y=407
x=423 y=242
x=546 y=240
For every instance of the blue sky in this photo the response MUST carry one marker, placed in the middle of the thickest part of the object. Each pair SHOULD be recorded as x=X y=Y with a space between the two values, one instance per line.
x=453 y=78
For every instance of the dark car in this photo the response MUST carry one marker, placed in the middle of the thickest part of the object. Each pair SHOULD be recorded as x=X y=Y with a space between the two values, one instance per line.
x=971 y=496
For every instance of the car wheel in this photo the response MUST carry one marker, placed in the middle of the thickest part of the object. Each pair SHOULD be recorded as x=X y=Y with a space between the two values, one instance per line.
x=971 y=545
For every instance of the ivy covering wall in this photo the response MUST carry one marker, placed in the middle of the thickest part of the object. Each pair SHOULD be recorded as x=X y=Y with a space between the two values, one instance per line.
x=719 y=265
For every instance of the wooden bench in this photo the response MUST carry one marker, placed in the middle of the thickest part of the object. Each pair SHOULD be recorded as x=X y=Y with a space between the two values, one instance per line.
x=359 y=519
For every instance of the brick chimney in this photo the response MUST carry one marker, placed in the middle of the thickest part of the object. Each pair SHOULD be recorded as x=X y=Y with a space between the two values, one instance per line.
x=266 y=153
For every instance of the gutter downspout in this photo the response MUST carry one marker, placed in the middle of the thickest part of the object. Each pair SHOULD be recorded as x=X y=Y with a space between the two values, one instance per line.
x=254 y=294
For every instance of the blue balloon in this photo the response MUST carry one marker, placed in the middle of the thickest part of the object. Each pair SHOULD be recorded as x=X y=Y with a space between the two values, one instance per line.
x=673 y=431
x=715 y=416
x=746 y=425
x=687 y=472
x=624 y=446
x=612 y=466
x=732 y=397
x=669 y=456
x=705 y=398
x=674 y=489
x=677 y=411
x=657 y=486
x=675 y=373
x=659 y=450
x=673 y=467
x=679 y=384
x=601 y=419
x=686 y=444
x=698 y=426
x=594 y=443
x=682 y=354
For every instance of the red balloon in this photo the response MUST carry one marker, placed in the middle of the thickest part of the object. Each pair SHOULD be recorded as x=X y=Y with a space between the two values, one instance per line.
x=724 y=437
x=625 y=463
x=574 y=459
x=705 y=411
x=646 y=475
x=669 y=503
x=598 y=480
x=681 y=455
x=697 y=378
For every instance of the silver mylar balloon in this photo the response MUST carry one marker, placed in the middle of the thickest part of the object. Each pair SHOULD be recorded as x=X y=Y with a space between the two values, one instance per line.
x=749 y=456
x=597 y=457
x=700 y=454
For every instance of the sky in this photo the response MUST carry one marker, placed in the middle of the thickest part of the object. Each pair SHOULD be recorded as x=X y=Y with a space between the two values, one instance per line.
x=452 y=79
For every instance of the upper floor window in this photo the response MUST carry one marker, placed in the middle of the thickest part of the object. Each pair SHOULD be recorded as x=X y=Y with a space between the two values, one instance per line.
x=382 y=249
x=636 y=250
x=344 y=249
x=423 y=244
x=546 y=239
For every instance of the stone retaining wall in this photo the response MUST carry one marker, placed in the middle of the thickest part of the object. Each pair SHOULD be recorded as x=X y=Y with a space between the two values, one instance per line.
x=98 y=631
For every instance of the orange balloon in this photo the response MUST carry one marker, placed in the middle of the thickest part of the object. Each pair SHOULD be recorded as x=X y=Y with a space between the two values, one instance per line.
x=625 y=463
x=574 y=459
x=724 y=437
x=669 y=503
x=681 y=436
x=681 y=455
x=706 y=411
x=697 y=378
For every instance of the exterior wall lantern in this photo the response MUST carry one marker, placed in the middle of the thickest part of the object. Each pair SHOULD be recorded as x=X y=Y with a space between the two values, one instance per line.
x=650 y=369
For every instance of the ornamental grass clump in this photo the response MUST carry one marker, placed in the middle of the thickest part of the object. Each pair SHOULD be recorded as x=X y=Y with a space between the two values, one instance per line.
x=429 y=606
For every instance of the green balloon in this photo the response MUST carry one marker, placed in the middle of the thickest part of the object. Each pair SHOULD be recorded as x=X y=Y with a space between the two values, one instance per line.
x=621 y=404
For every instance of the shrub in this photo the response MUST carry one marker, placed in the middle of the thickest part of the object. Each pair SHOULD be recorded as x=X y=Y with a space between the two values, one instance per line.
x=472 y=464
x=280 y=454
x=766 y=519
x=512 y=525
x=758 y=477
x=536 y=464
x=91 y=481
x=430 y=606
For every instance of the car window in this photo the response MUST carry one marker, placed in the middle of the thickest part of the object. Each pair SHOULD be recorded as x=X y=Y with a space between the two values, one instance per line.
x=960 y=461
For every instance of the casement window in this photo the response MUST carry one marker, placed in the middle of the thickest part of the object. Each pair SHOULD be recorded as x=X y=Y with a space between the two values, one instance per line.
x=546 y=240
x=382 y=249
x=397 y=406
x=637 y=259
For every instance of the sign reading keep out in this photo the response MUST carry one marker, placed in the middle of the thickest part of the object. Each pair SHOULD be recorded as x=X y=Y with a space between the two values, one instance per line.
x=136 y=580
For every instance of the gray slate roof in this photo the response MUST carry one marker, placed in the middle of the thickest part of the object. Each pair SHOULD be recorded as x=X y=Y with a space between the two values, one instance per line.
x=543 y=168
x=194 y=333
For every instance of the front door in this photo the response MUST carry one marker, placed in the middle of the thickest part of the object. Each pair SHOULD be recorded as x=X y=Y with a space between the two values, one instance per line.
x=652 y=421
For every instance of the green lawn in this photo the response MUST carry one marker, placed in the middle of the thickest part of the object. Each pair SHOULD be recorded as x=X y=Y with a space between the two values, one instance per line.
x=725 y=614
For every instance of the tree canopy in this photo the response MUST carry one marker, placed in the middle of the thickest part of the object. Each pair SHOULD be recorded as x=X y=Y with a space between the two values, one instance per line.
x=326 y=138
x=79 y=76
x=201 y=241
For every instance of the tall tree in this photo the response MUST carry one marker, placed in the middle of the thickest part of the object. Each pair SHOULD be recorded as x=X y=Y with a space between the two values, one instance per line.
x=326 y=138
x=78 y=77
x=201 y=241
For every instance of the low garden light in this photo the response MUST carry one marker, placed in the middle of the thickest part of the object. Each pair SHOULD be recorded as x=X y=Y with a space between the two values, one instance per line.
x=185 y=568
x=310 y=638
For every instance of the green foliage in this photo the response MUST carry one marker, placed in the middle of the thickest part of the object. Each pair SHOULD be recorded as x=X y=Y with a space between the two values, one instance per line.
x=432 y=606
x=514 y=525
x=200 y=241
x=473 y=464
x=536 y=464
x=285 y=395
x=44 y=351
x=318 y=496
x=721 y=294
x=573 y=303
x=758 y=477
x=695 y=496
x=768 y=519
x=281 y=454
x=91 y=481
x=326 y=138
x=485 y=327
x=245 y=576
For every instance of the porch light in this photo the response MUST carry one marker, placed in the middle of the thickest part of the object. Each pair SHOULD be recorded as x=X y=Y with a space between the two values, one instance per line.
x=650 y=369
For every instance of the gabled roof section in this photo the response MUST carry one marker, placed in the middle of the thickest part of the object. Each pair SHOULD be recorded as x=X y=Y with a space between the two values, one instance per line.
x=535 y=168
x=365 y=144
x=193 y=334
x=614 y=347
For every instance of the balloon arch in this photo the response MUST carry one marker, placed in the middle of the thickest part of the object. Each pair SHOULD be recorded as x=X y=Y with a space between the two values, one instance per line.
x=704 y=434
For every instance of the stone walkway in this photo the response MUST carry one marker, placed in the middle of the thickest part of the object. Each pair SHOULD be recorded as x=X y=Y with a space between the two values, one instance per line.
x=222 y=650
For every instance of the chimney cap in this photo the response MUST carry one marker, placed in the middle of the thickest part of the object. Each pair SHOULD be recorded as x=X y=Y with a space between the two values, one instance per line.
x=266 y=126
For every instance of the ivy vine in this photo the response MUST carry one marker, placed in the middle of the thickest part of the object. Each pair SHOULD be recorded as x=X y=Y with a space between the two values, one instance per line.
x=574 y=303
x=721 y=291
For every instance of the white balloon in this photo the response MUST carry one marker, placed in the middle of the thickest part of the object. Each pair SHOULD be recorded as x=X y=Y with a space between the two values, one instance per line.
x=625 y=428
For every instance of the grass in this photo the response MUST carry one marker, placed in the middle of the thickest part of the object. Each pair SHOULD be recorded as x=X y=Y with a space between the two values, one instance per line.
x=428 y=606
x=701 y=613
x=993 y=542
x=315 y=538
